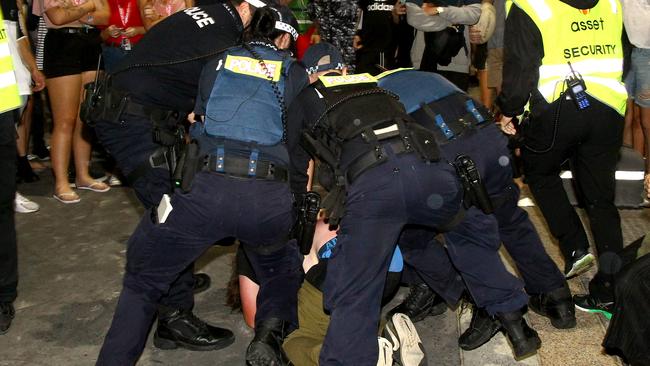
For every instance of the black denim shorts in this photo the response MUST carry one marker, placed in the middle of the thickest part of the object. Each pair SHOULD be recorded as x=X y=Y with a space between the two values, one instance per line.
x=70 y=52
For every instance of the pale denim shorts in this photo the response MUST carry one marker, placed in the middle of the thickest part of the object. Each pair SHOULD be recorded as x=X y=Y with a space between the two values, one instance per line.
x=637 y=81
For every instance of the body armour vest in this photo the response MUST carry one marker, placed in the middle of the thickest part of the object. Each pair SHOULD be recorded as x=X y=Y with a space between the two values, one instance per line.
x=355 y=104
x=244 y=103
x=359 y=110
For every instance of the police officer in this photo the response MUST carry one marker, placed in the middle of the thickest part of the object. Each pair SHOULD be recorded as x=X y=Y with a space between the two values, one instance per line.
x=241 y=192
x=565 y=60
x=437 y=104
x=148 y=97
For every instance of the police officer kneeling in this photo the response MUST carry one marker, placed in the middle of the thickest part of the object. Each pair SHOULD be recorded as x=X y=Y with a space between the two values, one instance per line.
x=241 y=192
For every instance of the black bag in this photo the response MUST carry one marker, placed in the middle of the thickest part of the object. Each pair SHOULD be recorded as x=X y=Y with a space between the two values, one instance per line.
x=445 y=44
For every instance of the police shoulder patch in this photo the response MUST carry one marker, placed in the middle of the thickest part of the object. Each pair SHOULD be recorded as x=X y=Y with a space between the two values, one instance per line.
x=332 y=81
x=252 y=67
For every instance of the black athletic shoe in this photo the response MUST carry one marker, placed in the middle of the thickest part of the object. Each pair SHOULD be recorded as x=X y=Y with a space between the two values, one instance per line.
x=557 y=305
x=266 y=347
x=7 y=314
x=591 y=304
x=581 y=260
x=419 y=303
x=524 y=340
x=183 y=329
x=481 y=329
x=201 y=282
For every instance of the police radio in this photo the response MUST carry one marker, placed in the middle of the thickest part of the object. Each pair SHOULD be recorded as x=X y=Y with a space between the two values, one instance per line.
x=577 y=89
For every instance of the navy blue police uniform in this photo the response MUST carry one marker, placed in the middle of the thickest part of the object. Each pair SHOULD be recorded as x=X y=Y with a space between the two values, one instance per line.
x=150 y=97
x=387 y=185
x=246 y=171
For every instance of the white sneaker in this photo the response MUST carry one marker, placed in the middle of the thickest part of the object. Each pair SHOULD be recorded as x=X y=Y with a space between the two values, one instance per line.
x=385 y=352
x=114 y=181
x=407 y=345
x=23 y=204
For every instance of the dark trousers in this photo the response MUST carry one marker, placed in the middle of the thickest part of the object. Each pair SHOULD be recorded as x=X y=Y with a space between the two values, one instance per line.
x=403 y=190
x=591 y=140
x=8 y=254
x=217 y=207
x=131 y=144
x=488 y=148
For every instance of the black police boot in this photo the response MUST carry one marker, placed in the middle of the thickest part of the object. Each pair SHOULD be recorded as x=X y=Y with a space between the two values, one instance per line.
x=524 y=339
x=181 y=328
x=266 y=347
x=420 y=303
x=557 y=305
x=7 y=314
x=481 y=329
x=201 y=282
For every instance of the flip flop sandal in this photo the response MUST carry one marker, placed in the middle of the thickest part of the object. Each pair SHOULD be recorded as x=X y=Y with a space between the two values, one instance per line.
x=94 y=187
x=67 y=197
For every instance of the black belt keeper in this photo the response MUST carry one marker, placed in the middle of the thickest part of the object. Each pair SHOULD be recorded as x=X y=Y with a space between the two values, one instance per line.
x=237 y=166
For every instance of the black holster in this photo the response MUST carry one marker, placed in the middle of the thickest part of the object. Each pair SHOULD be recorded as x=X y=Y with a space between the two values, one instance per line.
x=191 y=162
x=475 y=193
x=307 y=207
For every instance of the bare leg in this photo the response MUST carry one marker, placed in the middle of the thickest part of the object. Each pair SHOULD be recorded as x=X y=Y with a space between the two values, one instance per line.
x=64 y=100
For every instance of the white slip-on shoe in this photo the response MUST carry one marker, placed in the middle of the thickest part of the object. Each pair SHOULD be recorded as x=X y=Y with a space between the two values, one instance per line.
x=409 y=350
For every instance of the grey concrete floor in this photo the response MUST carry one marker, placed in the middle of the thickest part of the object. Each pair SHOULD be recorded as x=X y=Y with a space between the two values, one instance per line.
x=71 y=261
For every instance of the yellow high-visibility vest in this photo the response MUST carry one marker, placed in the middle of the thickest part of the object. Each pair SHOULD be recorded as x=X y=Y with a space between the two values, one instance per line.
x=9 y=98
x=590 y=39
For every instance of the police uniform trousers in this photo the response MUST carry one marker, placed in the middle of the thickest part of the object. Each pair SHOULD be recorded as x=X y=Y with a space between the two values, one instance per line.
x=131 y=144
x=8 y=254
x=380 y=202
x=590 y=140
x=488 y=147
x=217 y=207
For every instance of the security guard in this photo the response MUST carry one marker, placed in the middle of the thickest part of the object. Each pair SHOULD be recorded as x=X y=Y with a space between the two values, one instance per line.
x=437 y=104
x=9 y=100
x=145 y=101
x=565 y=59
x=241 y=192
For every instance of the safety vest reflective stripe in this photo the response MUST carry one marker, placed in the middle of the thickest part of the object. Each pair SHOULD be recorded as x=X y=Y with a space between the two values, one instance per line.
x=9 y=98
x=589 y=39
x=586 y=67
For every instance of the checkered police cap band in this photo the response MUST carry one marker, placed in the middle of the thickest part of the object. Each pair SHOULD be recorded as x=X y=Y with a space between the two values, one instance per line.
x=287 y=28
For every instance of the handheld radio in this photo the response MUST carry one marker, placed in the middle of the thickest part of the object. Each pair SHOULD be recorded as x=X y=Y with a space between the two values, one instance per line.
x=576 y=88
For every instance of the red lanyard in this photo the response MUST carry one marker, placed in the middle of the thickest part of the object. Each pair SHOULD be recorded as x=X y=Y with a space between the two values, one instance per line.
x=125 y=13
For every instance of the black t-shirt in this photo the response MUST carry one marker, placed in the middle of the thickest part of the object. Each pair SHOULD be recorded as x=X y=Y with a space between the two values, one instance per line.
x=377 y=29
x=296 y=80
x=197 y=34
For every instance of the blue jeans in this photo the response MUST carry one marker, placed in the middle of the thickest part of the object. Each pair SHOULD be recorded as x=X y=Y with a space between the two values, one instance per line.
x=217 y=207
